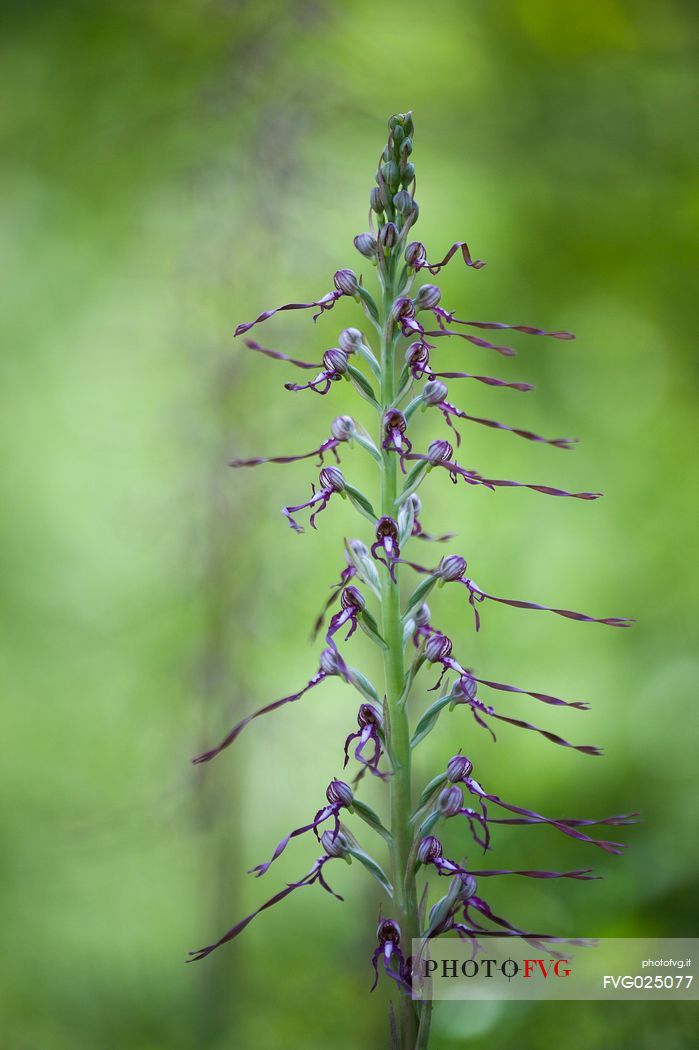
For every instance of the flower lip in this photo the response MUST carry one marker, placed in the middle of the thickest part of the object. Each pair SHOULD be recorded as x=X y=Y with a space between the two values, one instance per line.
x=338 y=793
x=332 y=478
x=439 y=451
x=459 y=767
x=452 y=567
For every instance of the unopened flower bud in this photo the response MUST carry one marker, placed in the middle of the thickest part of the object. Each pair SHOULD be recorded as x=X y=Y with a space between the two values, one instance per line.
x=359 y=548
x=452 y=567
x=339 y=794
x=434 y=392
x=346 y=282
x=459 y=768
x=335 y=360
x=342 y=428
x=465 y=689
x=352 y=598
x=415 y=255
x=468 y=887
x=406 y=147
x=439 y=451
x=429 y=849
x=390 y=173
x=365 y=243
x=416 y=503
x=451 y=801
x=407 y=172
x=376 y=200
x=350 y=339
x=329 y=661
x=388 y=235
x=403 y=202
x=335 y=845
x=437 y=647
x=422 y=616
x=332 y=478
x=398 y=134
x=428 y=296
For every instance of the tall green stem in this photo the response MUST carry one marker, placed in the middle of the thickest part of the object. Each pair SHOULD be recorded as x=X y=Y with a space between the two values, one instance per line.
x=398 y=741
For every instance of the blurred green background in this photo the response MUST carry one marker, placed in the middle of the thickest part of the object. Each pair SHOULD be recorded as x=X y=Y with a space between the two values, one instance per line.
x=168 y=170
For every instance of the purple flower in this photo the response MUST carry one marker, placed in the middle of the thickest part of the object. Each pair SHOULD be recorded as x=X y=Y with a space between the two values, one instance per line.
x=416 y=257
x=386 y=544
x=435 y=394
x=464 y=692
x=387 y=949
x=370 y=722
x=352 y=605
x=331 y=663
x=394 y=427
x=331 y=481
x=462 y=896
x=326 y=302
x=339 y=796
x=335 y=365
x=417 y=358
x=477 y=791
x=430 y=852
x=343 y=429
x=449 y=567
x=348 y=573
x=314 y=875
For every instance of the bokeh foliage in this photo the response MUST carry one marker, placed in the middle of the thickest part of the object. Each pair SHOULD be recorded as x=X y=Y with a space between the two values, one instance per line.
x=169 y=170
